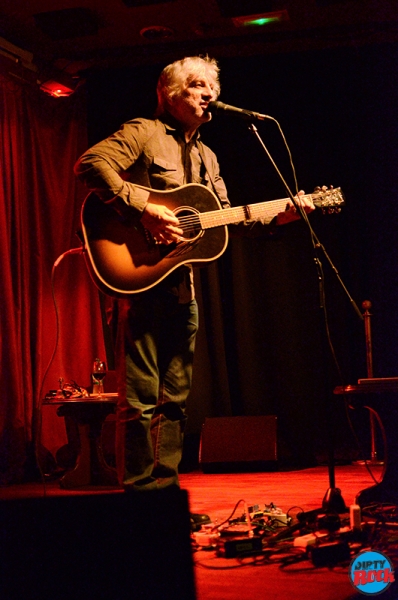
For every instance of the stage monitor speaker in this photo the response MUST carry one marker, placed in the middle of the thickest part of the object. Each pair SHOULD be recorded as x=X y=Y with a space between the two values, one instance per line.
x=114 y=546
x=231 y=444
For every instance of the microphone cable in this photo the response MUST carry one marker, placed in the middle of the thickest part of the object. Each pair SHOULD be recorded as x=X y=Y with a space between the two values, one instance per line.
x=37 y=422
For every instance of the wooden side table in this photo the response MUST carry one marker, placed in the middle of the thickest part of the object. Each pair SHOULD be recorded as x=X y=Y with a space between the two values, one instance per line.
x=89 y=415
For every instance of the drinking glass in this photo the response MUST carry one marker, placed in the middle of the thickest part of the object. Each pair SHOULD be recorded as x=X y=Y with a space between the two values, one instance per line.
x=98 y=374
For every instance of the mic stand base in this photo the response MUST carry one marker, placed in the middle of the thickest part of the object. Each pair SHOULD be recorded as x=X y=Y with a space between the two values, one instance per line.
x=333 y=501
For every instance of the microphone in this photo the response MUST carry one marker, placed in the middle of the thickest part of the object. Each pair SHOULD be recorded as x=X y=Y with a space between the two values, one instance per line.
x=219 y=108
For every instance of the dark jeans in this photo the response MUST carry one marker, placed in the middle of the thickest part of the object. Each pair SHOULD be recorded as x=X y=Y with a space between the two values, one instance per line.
x=155 y=346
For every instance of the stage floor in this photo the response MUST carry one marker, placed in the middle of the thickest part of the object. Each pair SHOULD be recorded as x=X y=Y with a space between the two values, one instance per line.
x=268 y=577
x=231 y=579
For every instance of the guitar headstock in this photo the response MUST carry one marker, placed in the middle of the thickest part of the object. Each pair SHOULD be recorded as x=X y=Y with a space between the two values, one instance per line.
x=330 y=200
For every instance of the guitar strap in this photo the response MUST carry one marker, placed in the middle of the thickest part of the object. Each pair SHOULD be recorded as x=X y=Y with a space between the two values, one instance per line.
x=271 y=229
x=251 y=227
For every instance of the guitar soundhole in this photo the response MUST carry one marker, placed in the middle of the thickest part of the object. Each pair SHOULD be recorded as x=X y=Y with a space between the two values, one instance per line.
x=189 y=219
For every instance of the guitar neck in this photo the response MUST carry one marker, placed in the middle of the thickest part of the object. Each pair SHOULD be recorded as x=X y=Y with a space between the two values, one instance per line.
x=264 y=211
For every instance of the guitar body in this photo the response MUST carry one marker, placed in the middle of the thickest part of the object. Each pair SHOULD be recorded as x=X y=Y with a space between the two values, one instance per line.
x=123 y=258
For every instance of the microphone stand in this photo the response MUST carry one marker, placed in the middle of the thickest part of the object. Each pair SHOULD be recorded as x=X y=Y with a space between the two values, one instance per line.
x=333 y=500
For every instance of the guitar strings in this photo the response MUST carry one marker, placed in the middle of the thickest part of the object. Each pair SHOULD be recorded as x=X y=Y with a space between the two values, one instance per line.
x=195 y=221
x=218 y=217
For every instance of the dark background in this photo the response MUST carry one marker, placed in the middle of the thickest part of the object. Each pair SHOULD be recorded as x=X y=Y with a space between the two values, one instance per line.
x=337 y=109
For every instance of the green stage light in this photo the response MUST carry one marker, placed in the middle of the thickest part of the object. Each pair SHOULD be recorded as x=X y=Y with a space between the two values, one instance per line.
x=260 y=20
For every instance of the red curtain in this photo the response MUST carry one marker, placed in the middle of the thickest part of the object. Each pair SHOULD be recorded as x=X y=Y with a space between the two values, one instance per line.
x=41 y=138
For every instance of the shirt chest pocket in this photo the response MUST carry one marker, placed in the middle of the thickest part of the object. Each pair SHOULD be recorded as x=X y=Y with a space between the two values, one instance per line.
x=164 y=173
x=163 y=164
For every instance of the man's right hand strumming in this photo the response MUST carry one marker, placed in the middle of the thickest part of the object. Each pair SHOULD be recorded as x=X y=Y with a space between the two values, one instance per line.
x=161 y=223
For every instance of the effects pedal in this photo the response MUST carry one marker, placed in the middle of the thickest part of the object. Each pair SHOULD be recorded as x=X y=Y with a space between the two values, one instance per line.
x=236 y=529
x=197 y=520
x=271 y=514
x=239 y=546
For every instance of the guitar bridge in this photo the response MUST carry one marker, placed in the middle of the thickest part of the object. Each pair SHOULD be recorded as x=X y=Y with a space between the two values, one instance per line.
x=179 y=249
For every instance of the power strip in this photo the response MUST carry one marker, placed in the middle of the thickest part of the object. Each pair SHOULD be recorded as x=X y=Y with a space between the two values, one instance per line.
x=310 y=539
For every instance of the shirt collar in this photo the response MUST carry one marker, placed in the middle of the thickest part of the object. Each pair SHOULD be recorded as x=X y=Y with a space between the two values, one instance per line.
x=172 y=126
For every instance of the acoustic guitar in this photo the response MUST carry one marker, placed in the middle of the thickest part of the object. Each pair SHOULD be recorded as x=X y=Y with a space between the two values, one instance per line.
x=123 y=258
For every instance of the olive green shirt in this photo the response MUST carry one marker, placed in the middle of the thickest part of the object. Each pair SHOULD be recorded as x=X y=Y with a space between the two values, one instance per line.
x=151 y=153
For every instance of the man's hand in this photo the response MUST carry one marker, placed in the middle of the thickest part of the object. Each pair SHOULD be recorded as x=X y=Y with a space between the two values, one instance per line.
x=161 y=223
x=290 y=213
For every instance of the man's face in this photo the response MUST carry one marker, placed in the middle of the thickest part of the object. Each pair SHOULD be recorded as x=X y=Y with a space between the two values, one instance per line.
x=190 y=108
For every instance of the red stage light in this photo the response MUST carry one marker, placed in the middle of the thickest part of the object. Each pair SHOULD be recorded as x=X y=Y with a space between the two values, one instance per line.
x=61 y=85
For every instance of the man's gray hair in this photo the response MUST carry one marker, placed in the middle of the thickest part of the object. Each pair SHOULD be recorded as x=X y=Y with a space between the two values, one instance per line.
x=175 y=78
